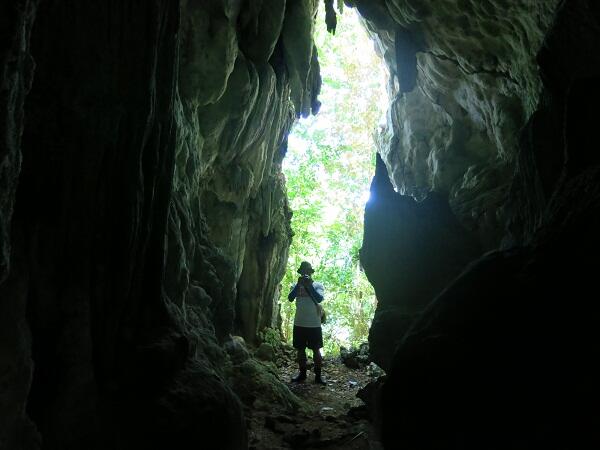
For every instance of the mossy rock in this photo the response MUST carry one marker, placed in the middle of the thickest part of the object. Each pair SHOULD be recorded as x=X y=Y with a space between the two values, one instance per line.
x=252 y=380
x=265 y=352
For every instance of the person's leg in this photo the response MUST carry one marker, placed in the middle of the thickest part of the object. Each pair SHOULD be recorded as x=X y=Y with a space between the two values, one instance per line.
x=301 y=365
x=302 y=358
x=299 y=342
x=318 y=359
x=315 y=344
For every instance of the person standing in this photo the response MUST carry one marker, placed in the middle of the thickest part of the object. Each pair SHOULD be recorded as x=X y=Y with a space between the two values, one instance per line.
x=307 y=321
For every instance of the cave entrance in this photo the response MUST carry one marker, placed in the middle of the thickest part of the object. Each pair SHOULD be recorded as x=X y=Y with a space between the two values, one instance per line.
x=328 y=168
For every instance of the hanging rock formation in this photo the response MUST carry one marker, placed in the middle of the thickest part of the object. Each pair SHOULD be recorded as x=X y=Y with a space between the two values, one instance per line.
x=463 y=82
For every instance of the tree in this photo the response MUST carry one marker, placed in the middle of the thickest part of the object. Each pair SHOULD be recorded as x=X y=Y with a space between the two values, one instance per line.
x=328 y=169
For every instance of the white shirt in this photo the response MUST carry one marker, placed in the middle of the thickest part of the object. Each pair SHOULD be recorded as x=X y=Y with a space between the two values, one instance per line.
x=306 y=310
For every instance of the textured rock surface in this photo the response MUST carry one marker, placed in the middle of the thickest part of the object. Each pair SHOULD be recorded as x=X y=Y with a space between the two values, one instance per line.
x=464 y=83
x=15 y=82
x=502 y=358
x=258 y=385
x=464 y=80
x=150 y=219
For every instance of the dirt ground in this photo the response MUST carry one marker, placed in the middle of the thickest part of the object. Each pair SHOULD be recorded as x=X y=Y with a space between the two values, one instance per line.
x=333 y=418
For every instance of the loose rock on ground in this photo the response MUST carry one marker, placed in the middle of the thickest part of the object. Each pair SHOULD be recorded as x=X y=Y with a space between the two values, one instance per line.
x=330 y=416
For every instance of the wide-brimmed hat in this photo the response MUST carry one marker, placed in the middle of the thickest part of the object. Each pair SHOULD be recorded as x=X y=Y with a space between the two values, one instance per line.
x=305 y=268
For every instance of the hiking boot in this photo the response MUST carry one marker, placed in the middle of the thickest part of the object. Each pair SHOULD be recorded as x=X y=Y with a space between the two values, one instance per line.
x=300 y=377
x=318 y=379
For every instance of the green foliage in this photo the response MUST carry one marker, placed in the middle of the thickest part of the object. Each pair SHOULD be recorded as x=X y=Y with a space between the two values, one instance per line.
x=328 y=169
x=271 y=336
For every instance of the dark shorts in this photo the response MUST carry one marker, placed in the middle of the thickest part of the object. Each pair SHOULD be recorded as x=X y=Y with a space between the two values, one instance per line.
x=307 y=337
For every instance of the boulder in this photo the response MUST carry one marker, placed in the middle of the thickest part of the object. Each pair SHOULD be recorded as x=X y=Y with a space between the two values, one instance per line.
x=265 y=352
x=236 y=349
x=355 y=358
x=256 y=383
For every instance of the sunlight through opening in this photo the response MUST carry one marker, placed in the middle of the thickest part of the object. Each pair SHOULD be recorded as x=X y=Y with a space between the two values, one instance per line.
x=328 y=169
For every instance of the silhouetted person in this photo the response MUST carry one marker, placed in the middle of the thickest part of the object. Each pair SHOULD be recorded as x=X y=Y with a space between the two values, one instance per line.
x=307 y=321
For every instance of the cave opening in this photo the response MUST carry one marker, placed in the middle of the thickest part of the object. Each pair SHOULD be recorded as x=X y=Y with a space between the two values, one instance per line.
x=328 y=167
x=145 y=225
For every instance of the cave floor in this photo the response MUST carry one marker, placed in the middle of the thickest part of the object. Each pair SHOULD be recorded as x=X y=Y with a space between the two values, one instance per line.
x=334 y=418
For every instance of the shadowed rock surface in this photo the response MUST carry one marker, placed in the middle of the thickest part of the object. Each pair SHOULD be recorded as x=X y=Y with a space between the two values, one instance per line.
x=501 y=358
x=150 y=218
x=144 y=223
x=411 y=251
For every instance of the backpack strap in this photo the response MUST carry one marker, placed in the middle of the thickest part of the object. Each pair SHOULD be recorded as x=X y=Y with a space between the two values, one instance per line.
x=319 y=308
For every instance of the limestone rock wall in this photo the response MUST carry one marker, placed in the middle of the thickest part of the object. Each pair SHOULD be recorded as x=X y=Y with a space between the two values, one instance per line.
x=238 y=102
x=411 y=251
x=148 y=220
x=464 y=81
x=501 y=356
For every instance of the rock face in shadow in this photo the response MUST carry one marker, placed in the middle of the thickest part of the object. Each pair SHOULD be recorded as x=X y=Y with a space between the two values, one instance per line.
x=503 y=356
x=411 y=251
x=148 y=220
x=16 y=365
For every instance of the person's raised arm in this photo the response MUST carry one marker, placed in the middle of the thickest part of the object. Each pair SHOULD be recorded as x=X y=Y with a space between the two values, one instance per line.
x=293 y=293
x=317 y=291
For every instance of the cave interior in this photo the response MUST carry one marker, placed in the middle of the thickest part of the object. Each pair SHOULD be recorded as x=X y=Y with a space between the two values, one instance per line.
x=144 y=221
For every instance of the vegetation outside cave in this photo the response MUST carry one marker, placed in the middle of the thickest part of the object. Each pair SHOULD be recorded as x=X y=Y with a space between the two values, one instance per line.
x=328 y=169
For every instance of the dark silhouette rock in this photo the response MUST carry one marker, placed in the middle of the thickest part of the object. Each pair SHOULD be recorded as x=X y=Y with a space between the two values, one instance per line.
x=16 y=365
x=411 y=251
x=503 y=357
